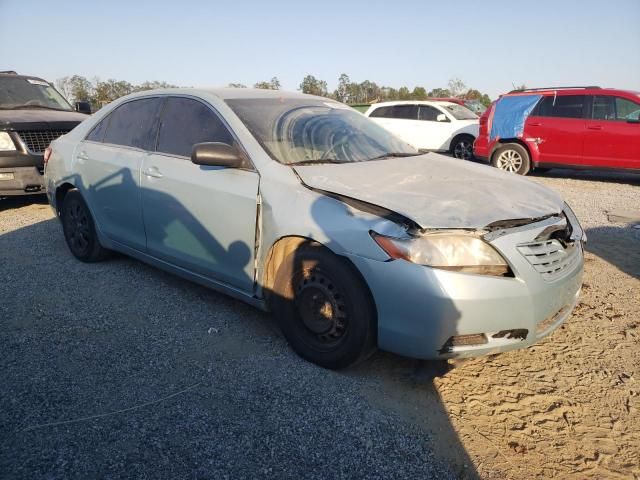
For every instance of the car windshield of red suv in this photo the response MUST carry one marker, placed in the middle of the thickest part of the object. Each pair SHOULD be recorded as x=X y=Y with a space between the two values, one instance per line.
x=27 y=93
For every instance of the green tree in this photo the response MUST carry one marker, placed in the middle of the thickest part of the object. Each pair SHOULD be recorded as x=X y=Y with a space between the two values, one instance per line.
x=237 y=85
x=439 y=93
x=273 y=84
x=404 y=93
x=152 y=86
x=75 y=88
x=109 y=90
x=419 y=93
x=313 y=86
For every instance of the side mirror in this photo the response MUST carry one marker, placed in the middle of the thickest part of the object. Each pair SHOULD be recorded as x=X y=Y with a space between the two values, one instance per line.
x=216 y=154
x=83 y=107
x=442 y=118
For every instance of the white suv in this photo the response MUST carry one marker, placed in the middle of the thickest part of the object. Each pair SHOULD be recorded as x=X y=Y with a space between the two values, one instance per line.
x=429 y=126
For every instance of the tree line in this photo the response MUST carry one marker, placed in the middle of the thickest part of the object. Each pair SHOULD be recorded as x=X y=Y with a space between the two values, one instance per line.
x=100 y=92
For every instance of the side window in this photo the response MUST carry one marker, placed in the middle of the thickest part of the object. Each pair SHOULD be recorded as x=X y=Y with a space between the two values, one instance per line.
x=134 y=124
x=97 y=134
x=429 y=113
x=186 y=122
x=626 y=109
x=405 y=112
x=382 y=112
x=563 y=106
x=603 y=108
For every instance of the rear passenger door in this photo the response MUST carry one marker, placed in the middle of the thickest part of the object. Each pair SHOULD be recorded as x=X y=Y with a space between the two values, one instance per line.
x=557 y=124
x=612 y=136
x=108 y=163
x=198 y=217
x=402 y=121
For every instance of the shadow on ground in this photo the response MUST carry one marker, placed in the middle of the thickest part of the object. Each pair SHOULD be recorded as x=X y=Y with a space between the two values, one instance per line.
x=617 y=245
x=118 y=370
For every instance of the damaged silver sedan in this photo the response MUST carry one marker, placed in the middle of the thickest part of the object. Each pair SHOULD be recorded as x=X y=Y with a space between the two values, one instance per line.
x=300 y=205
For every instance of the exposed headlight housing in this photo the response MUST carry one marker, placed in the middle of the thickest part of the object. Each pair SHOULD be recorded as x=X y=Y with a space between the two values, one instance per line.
x=459 y=251
x=6 y=143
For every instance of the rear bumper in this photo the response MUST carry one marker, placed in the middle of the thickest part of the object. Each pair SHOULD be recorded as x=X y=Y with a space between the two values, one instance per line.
x=21 y=181
x=481 y=149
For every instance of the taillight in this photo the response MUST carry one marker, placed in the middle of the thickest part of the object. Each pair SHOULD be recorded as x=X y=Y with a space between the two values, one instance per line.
x=47 y=154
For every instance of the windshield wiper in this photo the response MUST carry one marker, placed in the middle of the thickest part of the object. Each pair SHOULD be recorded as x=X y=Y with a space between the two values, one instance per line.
x=316 y=162
x=28 y=107
x=393 y=155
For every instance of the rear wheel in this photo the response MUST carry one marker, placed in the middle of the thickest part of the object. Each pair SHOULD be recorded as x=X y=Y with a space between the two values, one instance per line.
x=462 y=147
x=324 y=308
x=79 y=229
x=512 y=157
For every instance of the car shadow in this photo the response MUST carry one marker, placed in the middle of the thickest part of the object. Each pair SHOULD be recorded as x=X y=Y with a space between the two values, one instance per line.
x=617 y=245
x=18 y=201
x=603 y=176
x=85 y=339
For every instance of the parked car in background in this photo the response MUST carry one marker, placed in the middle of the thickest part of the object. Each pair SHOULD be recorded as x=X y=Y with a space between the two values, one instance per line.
x=429 y=126
x=474 y=105
x=32 y=114
x=570 y=127
x=301 y=205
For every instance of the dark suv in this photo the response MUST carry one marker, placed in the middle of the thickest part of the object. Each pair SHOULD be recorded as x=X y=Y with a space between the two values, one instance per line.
x=32 y=114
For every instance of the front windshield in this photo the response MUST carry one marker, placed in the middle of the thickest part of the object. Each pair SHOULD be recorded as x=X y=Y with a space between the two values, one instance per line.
x=20 y=92
x=307 y=131
x=460 y=113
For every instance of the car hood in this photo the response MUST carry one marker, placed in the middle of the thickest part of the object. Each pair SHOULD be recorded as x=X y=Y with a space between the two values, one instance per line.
x=39 y=118
x=436 y=191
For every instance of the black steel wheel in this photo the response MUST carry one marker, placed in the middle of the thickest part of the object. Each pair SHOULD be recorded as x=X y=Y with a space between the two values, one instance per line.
x=324 y=308
x=79 y=229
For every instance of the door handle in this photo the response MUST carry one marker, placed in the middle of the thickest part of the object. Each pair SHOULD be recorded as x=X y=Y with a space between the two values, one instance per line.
x=535 y=124
x=594 y=127
x=152 y=172
x=82 y=156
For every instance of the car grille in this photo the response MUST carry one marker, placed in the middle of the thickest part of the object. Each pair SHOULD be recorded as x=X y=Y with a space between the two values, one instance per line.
x=550 y=258
x=38 y=140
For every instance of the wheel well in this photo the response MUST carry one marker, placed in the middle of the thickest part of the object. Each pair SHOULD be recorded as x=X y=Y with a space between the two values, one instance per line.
x=282 y=248
x=61 y=192
x=504 y=141
x=454 y=139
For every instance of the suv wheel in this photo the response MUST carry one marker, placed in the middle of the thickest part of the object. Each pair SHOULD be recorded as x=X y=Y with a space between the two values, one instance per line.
x=462 y=147
x=79 y=229
x=512 y=157
x=324 y=308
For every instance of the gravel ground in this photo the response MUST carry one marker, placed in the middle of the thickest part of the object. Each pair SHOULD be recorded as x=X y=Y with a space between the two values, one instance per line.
x=118 y=370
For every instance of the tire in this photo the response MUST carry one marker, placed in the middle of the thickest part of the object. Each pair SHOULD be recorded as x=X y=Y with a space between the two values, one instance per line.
x=462 y=147
x=324 y=308
x=79 y=229
x=512 y=157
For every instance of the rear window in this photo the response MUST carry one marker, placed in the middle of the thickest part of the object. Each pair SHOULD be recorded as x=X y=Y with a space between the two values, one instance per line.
x=562 y=106
x=404 y=112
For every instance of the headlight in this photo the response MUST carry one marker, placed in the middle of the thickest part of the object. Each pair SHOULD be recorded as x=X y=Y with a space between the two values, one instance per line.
x=6 y=144
x=450 y=250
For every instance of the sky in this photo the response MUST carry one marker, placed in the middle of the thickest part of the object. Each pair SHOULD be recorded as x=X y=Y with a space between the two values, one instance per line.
x=490 y=45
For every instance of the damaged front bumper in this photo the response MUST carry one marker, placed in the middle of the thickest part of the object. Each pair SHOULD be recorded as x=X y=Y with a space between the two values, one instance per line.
x=431 y=313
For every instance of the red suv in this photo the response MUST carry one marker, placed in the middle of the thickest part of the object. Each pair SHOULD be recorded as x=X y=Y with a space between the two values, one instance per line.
x=568 y=127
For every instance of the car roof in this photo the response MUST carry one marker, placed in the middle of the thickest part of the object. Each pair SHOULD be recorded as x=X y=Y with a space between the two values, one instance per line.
x=228 y=93
x=25 y=77
x=572 y=91
x=410 y=102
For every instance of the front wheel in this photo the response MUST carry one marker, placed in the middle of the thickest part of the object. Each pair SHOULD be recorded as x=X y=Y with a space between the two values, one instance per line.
x=324 y=308
x=511 y=157
x=462 y=147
